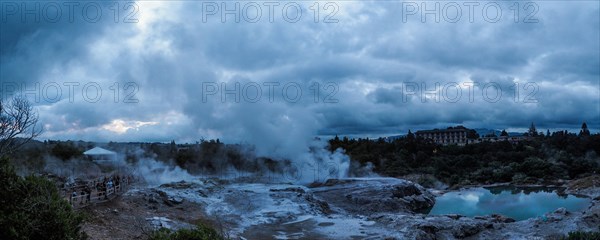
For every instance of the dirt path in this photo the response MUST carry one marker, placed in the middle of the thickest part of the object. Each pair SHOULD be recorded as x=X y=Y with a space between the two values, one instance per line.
x=131 y=215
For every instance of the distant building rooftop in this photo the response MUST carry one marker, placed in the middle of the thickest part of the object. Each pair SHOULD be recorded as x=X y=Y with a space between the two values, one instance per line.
x=443 y=130
x=99 y=151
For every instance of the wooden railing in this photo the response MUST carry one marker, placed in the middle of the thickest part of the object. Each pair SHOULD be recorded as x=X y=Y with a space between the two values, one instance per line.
x=84 y=195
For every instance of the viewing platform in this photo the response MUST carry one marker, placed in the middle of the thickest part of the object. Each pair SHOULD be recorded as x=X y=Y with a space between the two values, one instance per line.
x=99 y=190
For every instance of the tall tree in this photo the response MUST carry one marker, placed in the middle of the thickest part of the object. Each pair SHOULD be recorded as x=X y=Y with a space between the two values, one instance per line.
x=584 y=130
x=18 y=124
x=504 y=133
x=410 y=135
x=532 y=131
x=173 y=147
x=30 y=207
x=472 y=134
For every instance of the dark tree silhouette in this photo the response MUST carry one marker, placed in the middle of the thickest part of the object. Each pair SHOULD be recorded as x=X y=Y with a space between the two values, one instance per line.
x=532 y=131
x=584 y=130
x=410 y=135
x=18 y=124
x=472 y=134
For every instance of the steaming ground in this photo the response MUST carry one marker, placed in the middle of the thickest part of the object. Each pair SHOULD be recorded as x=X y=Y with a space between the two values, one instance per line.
x=244 y=204
x=355 y=208
x=315 y=195
x=271 y=210
x=246 y=208
x=265 y=207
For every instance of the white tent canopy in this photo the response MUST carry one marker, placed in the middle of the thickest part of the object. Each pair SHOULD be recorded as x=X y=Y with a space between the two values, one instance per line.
x=98 y=151
x=101 y=155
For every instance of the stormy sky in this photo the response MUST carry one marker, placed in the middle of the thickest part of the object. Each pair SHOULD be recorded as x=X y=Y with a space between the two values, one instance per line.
x=263 y=72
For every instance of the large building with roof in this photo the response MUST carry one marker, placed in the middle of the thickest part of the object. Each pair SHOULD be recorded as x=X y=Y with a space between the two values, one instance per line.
x=457 y=135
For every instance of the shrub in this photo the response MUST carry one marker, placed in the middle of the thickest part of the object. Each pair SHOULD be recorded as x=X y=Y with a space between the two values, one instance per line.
x=201 y=232
x=579 y=235
x=66 y=151
x=32 y=208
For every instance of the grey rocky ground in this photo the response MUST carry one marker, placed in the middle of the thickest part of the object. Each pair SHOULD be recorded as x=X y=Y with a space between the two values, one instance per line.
x=369 y=208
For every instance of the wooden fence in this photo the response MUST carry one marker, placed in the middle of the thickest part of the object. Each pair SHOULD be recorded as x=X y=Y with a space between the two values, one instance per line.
x=95 y=191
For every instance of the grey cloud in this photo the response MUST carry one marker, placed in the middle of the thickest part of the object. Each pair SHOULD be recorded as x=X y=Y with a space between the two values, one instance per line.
x=368 y=55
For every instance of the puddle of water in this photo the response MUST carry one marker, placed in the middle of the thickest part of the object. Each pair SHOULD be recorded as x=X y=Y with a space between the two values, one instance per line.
x=517 y=203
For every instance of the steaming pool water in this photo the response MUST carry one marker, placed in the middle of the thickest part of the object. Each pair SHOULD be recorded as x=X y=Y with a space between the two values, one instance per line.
x=517 y=203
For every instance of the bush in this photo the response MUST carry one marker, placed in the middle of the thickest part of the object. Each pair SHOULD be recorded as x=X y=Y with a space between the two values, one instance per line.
x=66 y=151
x=559 y=156
x=583 y=236
x=201 y=232
x=32 y=208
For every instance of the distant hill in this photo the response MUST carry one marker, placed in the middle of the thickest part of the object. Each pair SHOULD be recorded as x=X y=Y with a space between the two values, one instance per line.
x=392 y=138
x=485 y=131
x=31 y=144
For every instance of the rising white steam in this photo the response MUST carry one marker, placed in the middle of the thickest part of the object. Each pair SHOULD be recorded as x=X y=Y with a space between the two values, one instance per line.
x=156 y=173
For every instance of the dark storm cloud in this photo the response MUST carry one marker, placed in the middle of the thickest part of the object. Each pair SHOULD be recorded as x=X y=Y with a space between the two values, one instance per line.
x=370 y=56
x=35 y=42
